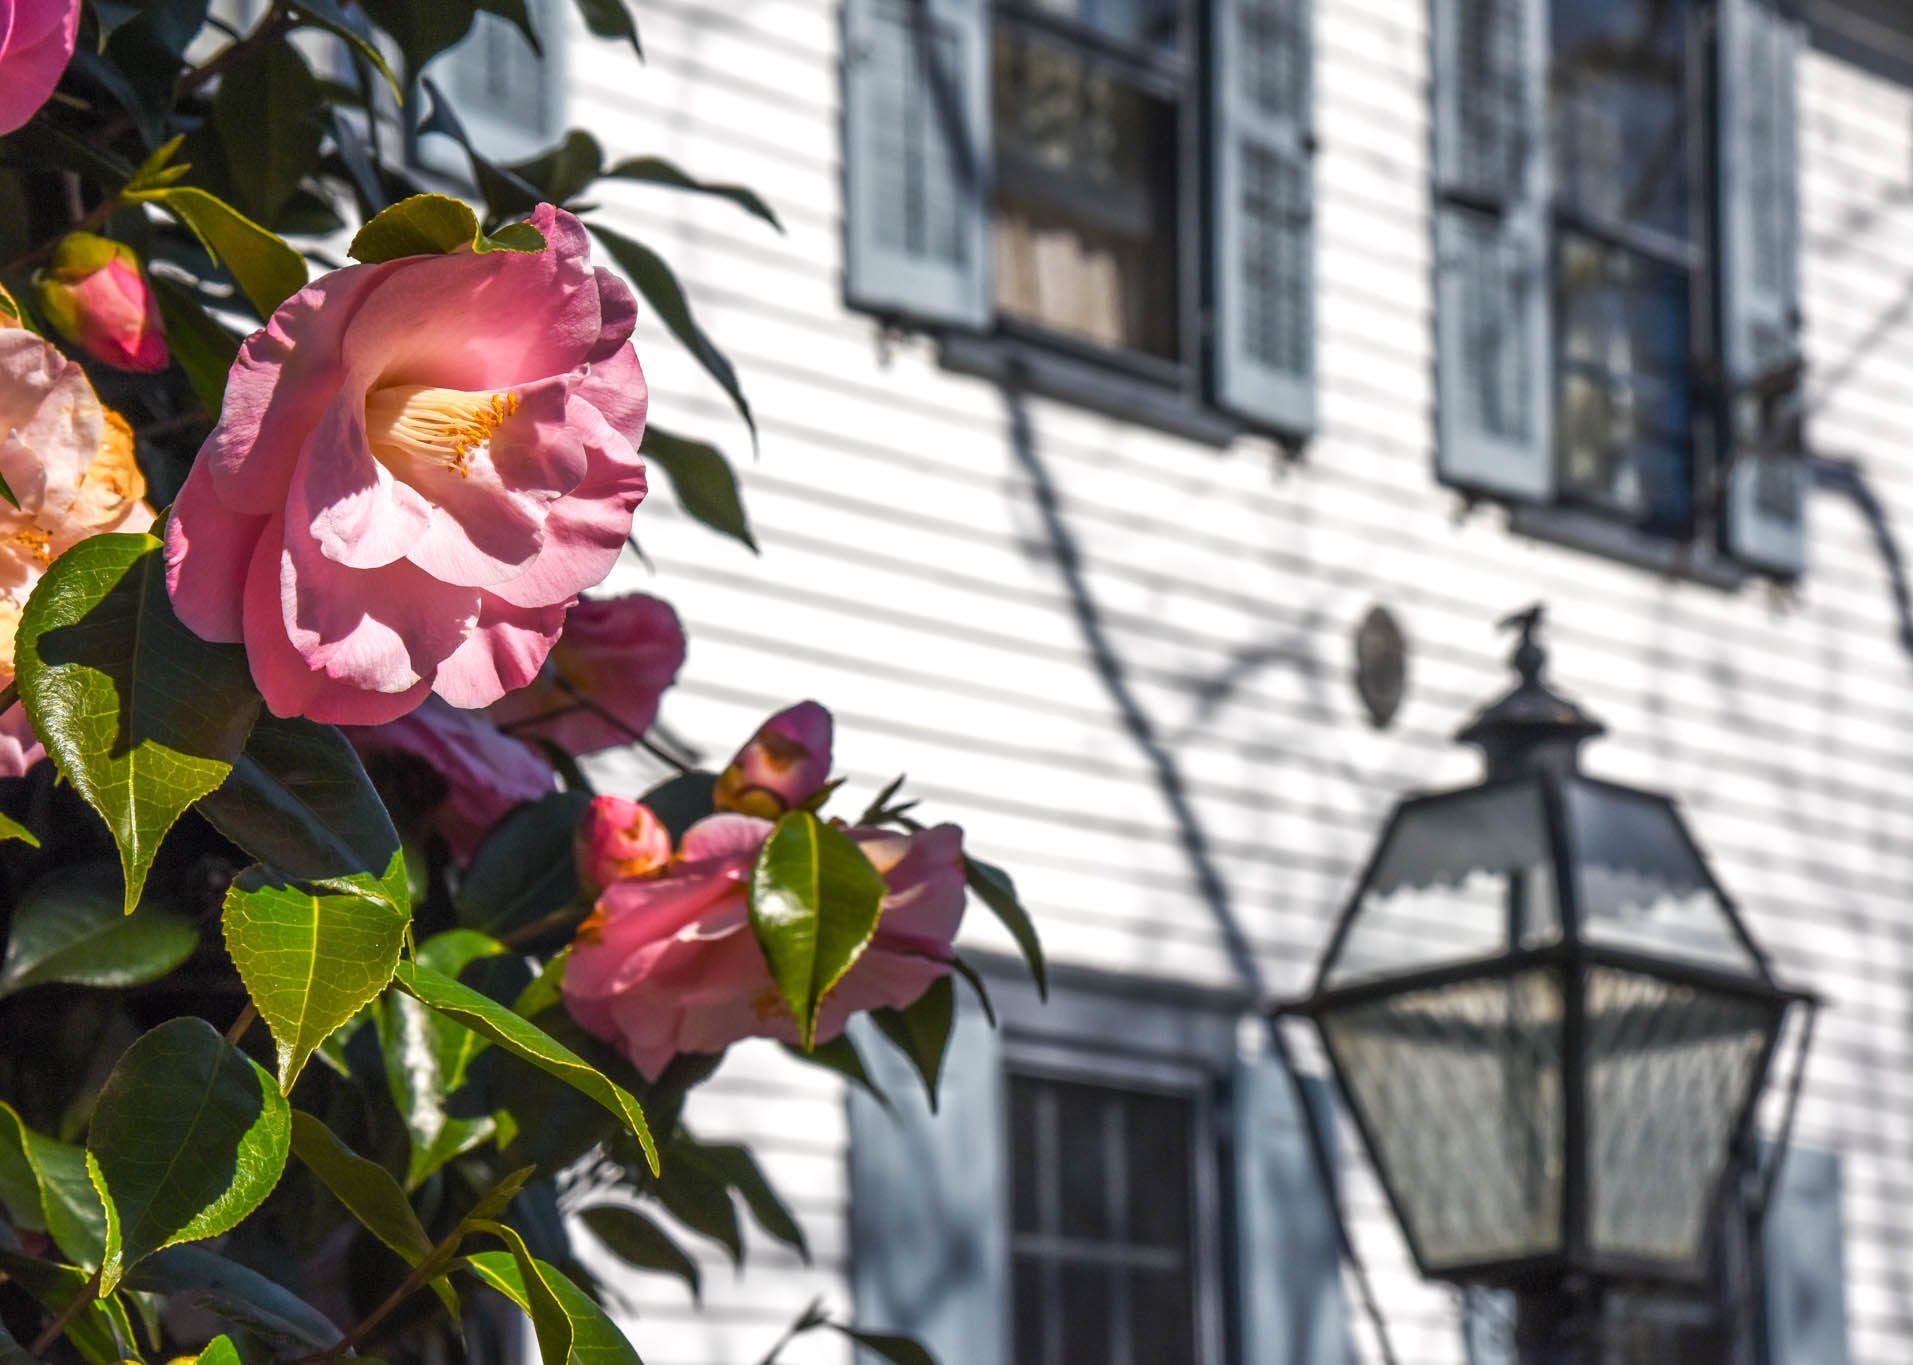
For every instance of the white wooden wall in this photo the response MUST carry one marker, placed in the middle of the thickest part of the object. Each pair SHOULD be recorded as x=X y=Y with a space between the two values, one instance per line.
x=910 y=581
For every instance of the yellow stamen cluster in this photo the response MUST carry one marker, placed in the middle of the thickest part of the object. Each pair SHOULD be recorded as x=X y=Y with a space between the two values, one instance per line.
x=443 y=425
x=36 y=541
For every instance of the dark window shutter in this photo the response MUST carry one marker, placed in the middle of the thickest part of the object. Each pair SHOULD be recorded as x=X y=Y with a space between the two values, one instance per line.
x=1263 y=218
x=1288 y=1258
x=1494 y=371
x=916 y=158
x=929 y=1219
x=1802 y=1244
x=1765 y=511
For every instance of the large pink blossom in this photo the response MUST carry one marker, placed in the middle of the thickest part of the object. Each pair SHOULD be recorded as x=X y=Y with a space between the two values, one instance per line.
x=618 y=655
x=36 y=43
x=668 y=964
x=486 y=774
x=418 y=466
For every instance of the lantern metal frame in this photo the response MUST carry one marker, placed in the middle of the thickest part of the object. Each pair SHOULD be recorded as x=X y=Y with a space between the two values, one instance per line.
x=1532 y=736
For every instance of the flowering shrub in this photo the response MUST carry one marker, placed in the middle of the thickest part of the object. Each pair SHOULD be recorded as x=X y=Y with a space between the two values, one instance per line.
x=328 y=985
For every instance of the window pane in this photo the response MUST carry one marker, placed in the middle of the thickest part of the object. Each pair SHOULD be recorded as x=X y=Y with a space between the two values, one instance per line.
x=1158 y=1171
x=1148 y=22
x=1035 y=1309
x=1082 y=1114
x=1085 y=221
x=1625 y=408
x=1161 y=1316
x=1617 y=96
x=1086 y=1303
x=1035 y=1157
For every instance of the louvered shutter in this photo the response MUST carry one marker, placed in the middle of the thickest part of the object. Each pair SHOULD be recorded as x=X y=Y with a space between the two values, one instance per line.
x=1488 y=1327
x=916 y=159
x=1494 y=390
x=1804 y=1256
x=1288 y=1258
x=1765 y=511
x=929 y=1209
x=1262 y=218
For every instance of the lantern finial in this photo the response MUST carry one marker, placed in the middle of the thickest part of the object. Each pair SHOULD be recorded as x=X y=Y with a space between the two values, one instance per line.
x=1532 y=726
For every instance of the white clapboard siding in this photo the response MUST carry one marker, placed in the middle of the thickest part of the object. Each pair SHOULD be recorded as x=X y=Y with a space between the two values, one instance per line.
x=911 y=580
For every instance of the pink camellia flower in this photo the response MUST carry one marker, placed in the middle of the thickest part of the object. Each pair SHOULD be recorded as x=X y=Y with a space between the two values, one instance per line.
x=98 y=298
x=418 y=467
x=668 y=964
x=36 y=43
x=785 y=764
x=616 y=653
x=20 y=748
x=486 y=774
x=619 y=839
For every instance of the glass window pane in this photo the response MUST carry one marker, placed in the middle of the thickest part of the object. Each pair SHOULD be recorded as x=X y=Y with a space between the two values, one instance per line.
x=1150 y=23
x=1161 y=1317
x=1158 y=1128
x=1617 y=99
x=1035 y=1157
x=1035 y=1312
x=1081 y=1113
x=1086 y=206
x=1087 y=1298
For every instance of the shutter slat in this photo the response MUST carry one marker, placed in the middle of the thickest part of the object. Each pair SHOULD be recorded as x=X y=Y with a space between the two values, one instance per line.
x=1288 y=1257
x=1262 y=213
x=1765 y=505
x=916 y=159
x=1804 y=1249
x=1494 y=367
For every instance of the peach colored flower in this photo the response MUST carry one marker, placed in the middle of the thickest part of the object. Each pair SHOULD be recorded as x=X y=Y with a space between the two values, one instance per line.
x=616 y=653
x=619 y=839
x=418 y=467
x=785 y=764
x=36 y=43
x=668 y=964
x=98 y=298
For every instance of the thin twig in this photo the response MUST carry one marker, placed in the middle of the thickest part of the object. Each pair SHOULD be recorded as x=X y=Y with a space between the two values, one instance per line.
x=75 y=1306
x=543 y=923
x=9 y=695
x=635 y=735
x=242 y=1023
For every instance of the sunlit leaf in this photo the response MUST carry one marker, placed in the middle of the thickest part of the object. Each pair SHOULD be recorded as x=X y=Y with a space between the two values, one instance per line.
x=44 y=1185
x=433 y=224
x=814 y=902
x=594 y=1337
x=267 y=270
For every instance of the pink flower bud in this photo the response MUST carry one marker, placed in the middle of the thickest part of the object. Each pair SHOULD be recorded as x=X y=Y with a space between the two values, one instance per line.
x=619 y=839
x=98 y=298
x=785 y=764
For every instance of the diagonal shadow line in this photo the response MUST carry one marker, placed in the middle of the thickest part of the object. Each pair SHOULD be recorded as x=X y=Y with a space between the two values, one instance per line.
x=1846 y=477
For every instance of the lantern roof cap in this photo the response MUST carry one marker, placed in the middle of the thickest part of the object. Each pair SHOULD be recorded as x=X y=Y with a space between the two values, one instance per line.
x=1532 y=721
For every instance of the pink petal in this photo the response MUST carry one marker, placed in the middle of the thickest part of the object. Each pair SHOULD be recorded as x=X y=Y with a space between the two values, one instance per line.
x=503 y=651
x=724 y=836
x=359 y=514
x=208 y=549
x=36 y=42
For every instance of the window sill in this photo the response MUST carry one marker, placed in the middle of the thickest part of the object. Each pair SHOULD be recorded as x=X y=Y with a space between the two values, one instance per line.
x=1696 y=561
x=1008 y=360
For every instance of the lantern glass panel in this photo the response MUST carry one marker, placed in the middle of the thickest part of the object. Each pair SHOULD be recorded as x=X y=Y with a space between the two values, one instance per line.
x=1640 y=883
x=1458 y=877
x=1670 y=1067
x=1459 y=1088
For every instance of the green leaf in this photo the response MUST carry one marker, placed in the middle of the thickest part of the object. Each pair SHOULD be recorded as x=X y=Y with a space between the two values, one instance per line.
x=265 y=115
x=595 y=1338
x=698 y=1197
x=703 y=480
x=218 y=1351
x=266 y=270
x=814 y=902
x=229 y=1291
x=922 y=1031
x=311 y=956
x=328 y=16
x=158 y=170
x=96 y=1334
x=45 y=1187
x=298 y=799
x=422 y=31
x=526 y=1041
x=993 y=884
x=661 y=290
x=427 y=1057
x=6 y=489
x=656 y=170
x=562 y=172
x=525 y=868
x=895 y=1349
x=431 y=225
x=841 y=1056
x=610 y=19
x=71 y=927
x=189 y=1135
x=735 y=1165
x=638 y=1241
x=141 y=715
x=199 y=342
x=538 y=1296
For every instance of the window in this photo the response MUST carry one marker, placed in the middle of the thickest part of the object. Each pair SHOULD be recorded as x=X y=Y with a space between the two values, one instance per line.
x=1616 y=292
x=509 y=99
x=1109 y=199
x=1105 y=1183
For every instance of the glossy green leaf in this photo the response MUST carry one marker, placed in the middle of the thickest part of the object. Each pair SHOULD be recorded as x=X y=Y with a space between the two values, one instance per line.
x=6 y=489
x=595 y=1338
x=266 y=269
x=422 y=31
x=654 y=280
x=44 y=1185
x=427 y=1057
x=188 y=1136
x=159 y=169
x=311 y=956
x=327 y=15
x=526 y=1041
x=655 y=170
x=298 y=800
x=638 y=1241
x=922 y=1031
x=97 y=1333
x=141 y=715
x=218 y=1351
x=431 y=225
x=737 y=1168
x=265 y=113
x=235 y=1294
x=703 y=480
x=538 y=1296
x=71 y=927
x=814 y=902
x=611 y=19
x=998 y=892
x=562 y=172
x=199 y=342
x=525 y=868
